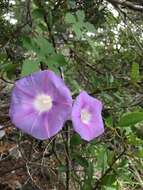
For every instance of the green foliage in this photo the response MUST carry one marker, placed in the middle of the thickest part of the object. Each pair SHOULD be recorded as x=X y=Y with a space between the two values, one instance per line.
x=78 y=23
x=40 y=46
x=135 y=74
x=99 y=52
x=109 y=180
x=44 y=53
x=131 y=119
x=28 y=67
x=75 y=140
x=55 y=61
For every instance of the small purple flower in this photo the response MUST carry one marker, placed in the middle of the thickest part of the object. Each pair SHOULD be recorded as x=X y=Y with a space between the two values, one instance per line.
x=40 y=105
x=86 y=116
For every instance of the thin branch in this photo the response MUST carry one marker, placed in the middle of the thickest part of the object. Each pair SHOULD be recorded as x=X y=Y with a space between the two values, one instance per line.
x=68 y=163
x=50 y=31
x=23 y=166
x=67 y=146
x=127 y=4
x=54 y=151
x=5 y=80
x=31 y=177
x=45 y=14
x=136 y=172
x=98 y=183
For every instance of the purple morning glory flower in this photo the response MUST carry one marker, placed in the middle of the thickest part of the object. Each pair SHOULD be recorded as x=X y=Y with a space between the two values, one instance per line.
x=86 y=116
x=40 y=104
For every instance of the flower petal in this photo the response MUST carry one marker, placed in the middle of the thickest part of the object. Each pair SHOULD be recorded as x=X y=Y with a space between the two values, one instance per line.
x=40 y=123
x=95 y=127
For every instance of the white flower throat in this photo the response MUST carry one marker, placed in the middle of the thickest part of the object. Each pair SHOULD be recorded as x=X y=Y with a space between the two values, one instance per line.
x=43 y=103
x=85 y=116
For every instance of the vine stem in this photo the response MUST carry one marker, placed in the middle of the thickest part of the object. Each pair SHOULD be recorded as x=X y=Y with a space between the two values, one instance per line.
x=66 y=135
x=67 y=149
x=96 y=187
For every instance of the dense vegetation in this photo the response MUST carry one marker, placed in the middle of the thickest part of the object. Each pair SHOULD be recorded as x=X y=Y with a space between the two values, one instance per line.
x=96 y=46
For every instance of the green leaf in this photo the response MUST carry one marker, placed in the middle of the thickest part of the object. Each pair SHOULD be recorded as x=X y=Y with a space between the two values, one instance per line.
x=29 y=66
x=80 y=15
x=40 y=45
x=59 y=59
x=26 y=42
x=38 y=13
x=70 y=19
x=102 y=160
x=77 y=30
x=131 y=119
x=135 y=75
x=45 y=46
x=81 y=161
x=75 y=140
x=139 y=154
x=55 y=61
x=5 y=66
x=29 y=44
x=108 y=180
x=86 y=186
x=89 y=27
x=10 y=69
x=90 y=173
x=109 y=121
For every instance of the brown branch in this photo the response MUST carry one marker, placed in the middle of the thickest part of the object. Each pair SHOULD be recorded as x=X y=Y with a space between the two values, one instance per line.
x=66 y=139
x=86 y=63
x=50 y=31
x=45 y=15
x=127 y=4
x=51 y=36
x=23 y=166
x=67 y=150
x=5 y=80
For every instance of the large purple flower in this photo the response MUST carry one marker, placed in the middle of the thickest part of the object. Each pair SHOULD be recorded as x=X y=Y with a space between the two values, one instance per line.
x=40 y=104
x=86 y=116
